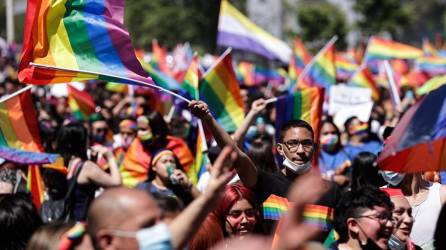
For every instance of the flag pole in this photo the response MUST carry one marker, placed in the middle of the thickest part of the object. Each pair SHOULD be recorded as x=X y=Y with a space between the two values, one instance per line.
x=18 y=92
x=313 y=60
x=392 y=85
x=113 y=76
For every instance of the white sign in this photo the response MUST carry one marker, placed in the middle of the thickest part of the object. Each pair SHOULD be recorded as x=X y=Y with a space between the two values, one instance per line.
x=346 y=101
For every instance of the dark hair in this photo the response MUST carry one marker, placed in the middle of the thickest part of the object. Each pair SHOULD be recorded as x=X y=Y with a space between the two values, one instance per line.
x=168 y=204
x=440 y=230
x=295 y=124
x=158 y=125
x=55 y=182
x=18 y=220
x=72 y=141
x=365 y=171
x=348 y=122
x=353 y=202
x=261 y=153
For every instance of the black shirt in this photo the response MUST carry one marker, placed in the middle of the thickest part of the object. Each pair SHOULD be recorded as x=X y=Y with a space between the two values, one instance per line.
x=271 y=191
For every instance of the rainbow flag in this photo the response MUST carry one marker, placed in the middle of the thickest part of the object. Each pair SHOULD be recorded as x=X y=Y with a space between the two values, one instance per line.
x=305 y=104
x=20 y=131
x=136 y=164
x=320 y=216
x=432 y=84
x=433 y=65
x=381 y=49
x=161 y=79
x=345 y=67
x=429 y=49
x=201 y=159
x=117 y=87
x=246 y=73
x=323 y=70
x=81 y=103
x=300 y=58
x=237 y=31
x=158 y=60
x=192 y=78
x=418 y=143
x=274 y=207
x=253 y=75
x=78 y=40
x=219 y=88
x=26 y=157
x=363 y=78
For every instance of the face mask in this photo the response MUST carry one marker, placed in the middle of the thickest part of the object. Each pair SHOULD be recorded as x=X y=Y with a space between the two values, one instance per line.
x=329 y=141
x=368 y=244
x=374 y=126
x=155 y=238
x=396 y=244
x=127 y=141
x=145 y=135
x=297 y=168
x=393 y=178
x=98 y=138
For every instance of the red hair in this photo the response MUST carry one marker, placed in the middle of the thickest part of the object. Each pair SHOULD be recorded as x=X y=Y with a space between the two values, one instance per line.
x=208 y=235
x=234 y=193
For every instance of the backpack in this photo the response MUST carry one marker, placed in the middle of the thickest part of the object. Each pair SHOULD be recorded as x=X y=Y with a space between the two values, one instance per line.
x=59 y=210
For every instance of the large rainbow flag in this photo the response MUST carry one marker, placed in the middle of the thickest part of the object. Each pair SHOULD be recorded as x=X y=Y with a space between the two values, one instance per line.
x=322 y=72
x=305 y=104
x=418 y=142
x=81 y=103
x=192 y=79
x=237 y=31
x=299 y=59
x=21 y=132
x=363 y=78
x=219 y=88
x=78 y=40
x=381 y=49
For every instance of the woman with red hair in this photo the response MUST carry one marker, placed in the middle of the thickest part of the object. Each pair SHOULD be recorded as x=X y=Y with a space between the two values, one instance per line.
x=238 y=212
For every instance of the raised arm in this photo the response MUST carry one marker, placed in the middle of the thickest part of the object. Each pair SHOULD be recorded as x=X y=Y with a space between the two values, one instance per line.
x=187 y=223
x=243 y=165
x=256 y=107
x=99 y=177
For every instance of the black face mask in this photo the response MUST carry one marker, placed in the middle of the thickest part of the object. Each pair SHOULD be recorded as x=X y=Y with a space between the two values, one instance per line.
x=369 y=244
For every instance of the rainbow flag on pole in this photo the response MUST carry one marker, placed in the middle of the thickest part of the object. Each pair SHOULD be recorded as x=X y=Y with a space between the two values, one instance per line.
x=433 y=65
x=237 y=31
x=219 y=88
x=299 y=59
x=66 y=41
x=201 y=159
x=81 y=103
x=363 y=78
x=381 y=49
x=192 y=78
x=158 y=60
x=305 y=104
x=345 y=67
x=322 y=71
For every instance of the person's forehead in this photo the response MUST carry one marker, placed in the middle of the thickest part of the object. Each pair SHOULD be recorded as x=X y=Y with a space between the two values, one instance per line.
x=99 y=124
x=297 y=133
x=328 y=127
x=126 y=129
x=400 y=201
x=143 y=212
x=241 y=204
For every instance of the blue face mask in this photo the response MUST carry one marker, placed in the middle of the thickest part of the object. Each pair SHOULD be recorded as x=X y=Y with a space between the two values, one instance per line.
x=393 y=178
x=154 y=238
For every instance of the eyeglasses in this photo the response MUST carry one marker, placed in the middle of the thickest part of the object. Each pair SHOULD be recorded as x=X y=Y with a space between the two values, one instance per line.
x=381 y=218
x=293 y=145
x=236 y=214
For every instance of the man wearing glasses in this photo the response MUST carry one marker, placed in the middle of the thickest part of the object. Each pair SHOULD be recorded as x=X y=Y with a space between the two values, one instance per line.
x=296 y=146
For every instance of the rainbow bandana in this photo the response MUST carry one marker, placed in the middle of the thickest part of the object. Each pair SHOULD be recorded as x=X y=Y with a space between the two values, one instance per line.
x=359 y=128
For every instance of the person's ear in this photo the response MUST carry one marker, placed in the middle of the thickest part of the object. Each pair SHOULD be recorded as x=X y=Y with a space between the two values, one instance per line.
x=352 y=226
x=279 y=147
x=104 y=239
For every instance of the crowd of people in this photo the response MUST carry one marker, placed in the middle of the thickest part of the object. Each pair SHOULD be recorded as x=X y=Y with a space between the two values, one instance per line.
x=126 y=184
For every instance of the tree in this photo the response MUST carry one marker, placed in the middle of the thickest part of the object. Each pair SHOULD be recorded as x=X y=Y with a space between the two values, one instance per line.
x=319 y=22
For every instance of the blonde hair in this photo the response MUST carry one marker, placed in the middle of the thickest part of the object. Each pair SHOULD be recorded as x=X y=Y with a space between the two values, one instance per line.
x=48 y=236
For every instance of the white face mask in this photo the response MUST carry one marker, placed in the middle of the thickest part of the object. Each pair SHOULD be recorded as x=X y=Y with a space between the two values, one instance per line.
x=155 y=238
x=297 y=168
x=393 y=178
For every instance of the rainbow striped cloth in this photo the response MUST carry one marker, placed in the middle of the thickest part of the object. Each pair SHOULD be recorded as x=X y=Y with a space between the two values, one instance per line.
x=253 y=75
x=201 y=159
x=305 y=104
x=345 y=67
x=158 y=60
x=81 y=103
x=363 y=78
x=323 y=70
x=192 y=79
x=432 y=84
x=219 y=88
x=300 y=58
x=274 y=207
x=78 y=40
x=433 y=65
x=381 y=49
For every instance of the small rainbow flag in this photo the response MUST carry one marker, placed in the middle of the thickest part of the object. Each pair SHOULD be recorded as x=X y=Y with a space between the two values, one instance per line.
x=428 y=48
x=363 y=78
x=192 y=79
x=300 y=58
x=253 y=75
x=161 y=79
x=246 y=73
x=81 y=103
x=219 y=88
x=345 y=67
x=433 y=65
x=158 y=60
x=381 y=49
x=305 y=104
x=274 y=207
x=320 y=216
x=78 y=40
x=322 y=71
x=117 y=87
x=201 y=158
